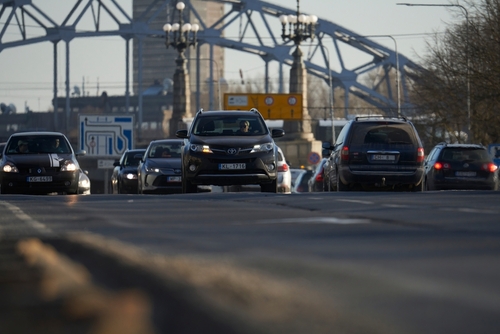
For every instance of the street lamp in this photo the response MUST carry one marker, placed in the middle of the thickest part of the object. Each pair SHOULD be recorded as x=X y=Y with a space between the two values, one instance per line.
x=180 y=35
x=397 y=68
x=469 y=129
x=300 y=28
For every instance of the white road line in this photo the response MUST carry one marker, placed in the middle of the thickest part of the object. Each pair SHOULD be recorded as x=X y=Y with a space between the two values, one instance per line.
x=41 y=228
x=395 y=206
x=471 y=210
x=355 y=201
x=314 y=220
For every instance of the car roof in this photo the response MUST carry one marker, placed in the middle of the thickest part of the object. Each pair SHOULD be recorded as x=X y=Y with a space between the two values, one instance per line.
x=228 y=113
x=37 y=133
x=164 y=141
x=462 y=145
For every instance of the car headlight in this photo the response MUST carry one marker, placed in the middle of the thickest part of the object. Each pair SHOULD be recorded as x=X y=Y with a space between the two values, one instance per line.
x=9 y=167
x=263 y=147
x=131 y=176
x=149 y=169
x=200 y=148
x=68 y=166
x=84 y=183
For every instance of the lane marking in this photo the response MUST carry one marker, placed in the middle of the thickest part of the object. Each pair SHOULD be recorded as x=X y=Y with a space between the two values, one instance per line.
x=41 y=228
x=471 y=210
x=396 y=205
x=314 y=220
x=355 y=201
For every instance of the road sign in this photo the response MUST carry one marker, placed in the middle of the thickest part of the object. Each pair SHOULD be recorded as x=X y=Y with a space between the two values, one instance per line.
x=105 y=164
x=271 y=106
x=105 y=135
x=494 y=150
x=313 y=158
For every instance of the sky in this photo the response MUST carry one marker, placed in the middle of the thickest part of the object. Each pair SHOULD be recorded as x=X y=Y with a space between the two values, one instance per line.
x=26 y=73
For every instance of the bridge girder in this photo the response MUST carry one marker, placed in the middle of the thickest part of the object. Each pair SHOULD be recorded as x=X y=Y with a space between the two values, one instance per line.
x=263 y=40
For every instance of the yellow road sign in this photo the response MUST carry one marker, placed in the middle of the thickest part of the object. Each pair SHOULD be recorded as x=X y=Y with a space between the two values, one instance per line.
x=271 y=106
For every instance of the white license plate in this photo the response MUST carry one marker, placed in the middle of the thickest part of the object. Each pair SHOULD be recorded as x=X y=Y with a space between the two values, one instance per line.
x=39 y=179
x=383 y=157
x=174 y=179
x=465 y=174
x=232 y=166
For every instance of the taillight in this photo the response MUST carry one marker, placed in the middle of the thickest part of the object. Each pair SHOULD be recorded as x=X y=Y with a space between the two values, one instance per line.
x=319 y=177
x=438 y=166
x=490 y=167
x=283 y=168
x=420 y=154
x=344 y=154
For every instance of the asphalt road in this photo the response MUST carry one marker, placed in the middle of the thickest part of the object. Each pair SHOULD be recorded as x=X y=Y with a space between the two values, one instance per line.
x=360 y=262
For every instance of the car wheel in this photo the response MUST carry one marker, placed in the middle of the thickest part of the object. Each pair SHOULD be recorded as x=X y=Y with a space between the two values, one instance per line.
x=188 y=187
x=340 y=185
x=269 y=187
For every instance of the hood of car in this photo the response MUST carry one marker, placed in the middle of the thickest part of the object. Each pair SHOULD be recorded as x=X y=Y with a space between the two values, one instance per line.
x=129 y=169
x=42 y=160
x=173 y=163
x=238 y=141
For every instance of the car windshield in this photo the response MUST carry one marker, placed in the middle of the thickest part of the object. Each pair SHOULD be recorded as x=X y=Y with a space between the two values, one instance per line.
x=131 y=159
x=460 y=154
x=37 y=145
x=165 y=150
x=229 y=126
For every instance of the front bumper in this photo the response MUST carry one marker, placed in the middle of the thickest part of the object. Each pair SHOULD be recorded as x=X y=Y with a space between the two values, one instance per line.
x=15 y=183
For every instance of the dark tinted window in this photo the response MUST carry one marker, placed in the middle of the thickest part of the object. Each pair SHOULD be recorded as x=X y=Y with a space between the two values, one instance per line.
x=38 y=144
x=464 y=154
x=387 y=134
x=227 y=125
x=130 y=159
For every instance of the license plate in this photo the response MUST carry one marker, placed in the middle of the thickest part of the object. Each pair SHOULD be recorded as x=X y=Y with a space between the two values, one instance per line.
x=39 y=179
x=383 y=157
x=174 y=179
x=465 y=174
x=232 y=166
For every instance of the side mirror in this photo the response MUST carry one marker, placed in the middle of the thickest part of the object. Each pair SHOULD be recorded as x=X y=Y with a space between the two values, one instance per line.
x=181 y=134
x=276 y=133
x=80 y=153
x=116 y=163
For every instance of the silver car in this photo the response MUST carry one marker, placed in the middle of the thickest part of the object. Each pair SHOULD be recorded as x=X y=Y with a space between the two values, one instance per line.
x=284 y=174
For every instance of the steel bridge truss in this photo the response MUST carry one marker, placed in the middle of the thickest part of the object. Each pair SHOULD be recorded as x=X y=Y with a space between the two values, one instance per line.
x=258 y=33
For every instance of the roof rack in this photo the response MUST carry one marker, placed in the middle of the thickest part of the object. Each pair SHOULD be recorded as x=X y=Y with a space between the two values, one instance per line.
x=380 y=116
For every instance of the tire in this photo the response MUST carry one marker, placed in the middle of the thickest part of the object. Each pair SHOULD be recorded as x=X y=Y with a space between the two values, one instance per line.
x=270 y=187
x=341 y=186
x=188 y=187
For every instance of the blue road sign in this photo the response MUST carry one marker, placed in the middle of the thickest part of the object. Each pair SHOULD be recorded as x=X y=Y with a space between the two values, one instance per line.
x=104 y=135
x=313 y=158
x=494 y=150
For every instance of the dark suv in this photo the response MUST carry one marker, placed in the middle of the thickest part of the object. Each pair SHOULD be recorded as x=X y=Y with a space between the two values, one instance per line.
x=460 y=166
x=229 y=148
x=376 y=153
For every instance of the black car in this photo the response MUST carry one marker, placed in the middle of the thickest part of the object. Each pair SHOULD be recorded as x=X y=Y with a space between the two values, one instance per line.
x=376 y=153
x=460 y=166
x=124 y=176
x=39 y=163
x=229 y=148
x=159 y=171
x=316 y=182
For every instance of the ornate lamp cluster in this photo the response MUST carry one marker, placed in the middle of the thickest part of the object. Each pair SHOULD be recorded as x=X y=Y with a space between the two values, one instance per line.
x=180 y=35
x=300 y=26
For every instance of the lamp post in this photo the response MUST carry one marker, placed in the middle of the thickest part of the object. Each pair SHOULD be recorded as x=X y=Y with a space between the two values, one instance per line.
x=469 y=128
x=180 y=35
x=300 y=28
x=398 y=89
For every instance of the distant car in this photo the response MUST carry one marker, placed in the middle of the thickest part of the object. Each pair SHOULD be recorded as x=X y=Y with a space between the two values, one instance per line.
x=83 y=183
x=124 y=176
x=159 y=171
x=316 y=182
x=376 y=152
x=230 y=147
x=39 y=163
x=460 y=166
x=300 y=184
x=284 y=174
